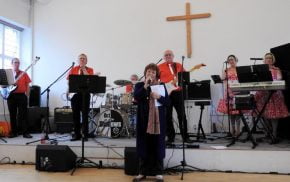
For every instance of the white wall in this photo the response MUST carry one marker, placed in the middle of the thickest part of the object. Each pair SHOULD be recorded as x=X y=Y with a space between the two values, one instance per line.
x=17 y=12
x=121 y=37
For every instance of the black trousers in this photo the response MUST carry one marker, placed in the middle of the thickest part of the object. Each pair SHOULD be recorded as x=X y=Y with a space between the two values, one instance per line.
x=77 y=108
x=151 y=165
x=17 y=106
x=177 y=103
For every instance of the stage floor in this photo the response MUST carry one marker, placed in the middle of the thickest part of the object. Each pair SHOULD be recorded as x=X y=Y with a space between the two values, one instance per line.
x=211 y=155
x=214 y=141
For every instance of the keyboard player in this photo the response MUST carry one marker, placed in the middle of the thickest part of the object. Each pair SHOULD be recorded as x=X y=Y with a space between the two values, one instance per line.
x=276 y=107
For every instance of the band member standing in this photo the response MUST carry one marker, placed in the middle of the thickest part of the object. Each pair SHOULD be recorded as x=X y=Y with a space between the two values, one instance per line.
x=168 y=75
x=77 y=100
x=130 y=87
x=151 y=120
x=230 y=76
x=276 y=107
x=17 y=102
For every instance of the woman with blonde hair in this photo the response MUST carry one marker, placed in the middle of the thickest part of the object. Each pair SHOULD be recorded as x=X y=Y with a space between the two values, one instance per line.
x=276 y=107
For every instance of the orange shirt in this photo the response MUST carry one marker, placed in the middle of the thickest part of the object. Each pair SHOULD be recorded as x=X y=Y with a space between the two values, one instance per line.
x=165 y=72
x=129 y=88
x=22 y=83
x=76 y=71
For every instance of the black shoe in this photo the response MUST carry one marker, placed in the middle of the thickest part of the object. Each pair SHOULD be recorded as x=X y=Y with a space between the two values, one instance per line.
x=27 y=135
x=12 y=135
x=170 y=141
x=75 y=138
x=188 y=140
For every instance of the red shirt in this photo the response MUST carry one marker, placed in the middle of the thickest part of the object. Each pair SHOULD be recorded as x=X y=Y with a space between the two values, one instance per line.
x=165 y=73
x=129 y=88
x=76 y=71
x=22 y=83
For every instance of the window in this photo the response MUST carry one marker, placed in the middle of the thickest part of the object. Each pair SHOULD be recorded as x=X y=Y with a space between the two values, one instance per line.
x=9 y=43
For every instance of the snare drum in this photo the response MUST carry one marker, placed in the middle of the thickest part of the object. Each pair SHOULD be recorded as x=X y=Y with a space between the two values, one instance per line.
x=126 y=99
x=110 y=100
x=110 y=123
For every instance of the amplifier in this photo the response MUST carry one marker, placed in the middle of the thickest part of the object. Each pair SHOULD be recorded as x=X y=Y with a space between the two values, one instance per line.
x=63 y=119
x=131 y=161
x=54 y=158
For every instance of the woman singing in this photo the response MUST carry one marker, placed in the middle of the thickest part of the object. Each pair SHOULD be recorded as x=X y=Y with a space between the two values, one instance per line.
x=151 y=124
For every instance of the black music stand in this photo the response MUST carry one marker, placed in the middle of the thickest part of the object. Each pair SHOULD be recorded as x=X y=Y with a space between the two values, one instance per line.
x=6 y=79
x=257 y=73
x=247 y=74
x=254 y=73
x=86 y=84
x=200 y=93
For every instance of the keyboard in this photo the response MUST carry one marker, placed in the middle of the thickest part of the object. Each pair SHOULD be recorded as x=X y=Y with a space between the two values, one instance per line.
x=256 y=86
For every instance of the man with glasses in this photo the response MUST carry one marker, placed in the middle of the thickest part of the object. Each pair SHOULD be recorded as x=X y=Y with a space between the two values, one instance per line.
x=168 y=75
x=17 y=101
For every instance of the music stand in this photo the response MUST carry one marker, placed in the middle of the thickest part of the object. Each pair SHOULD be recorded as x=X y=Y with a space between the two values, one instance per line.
x=254 y=73
x=200 y=93
x=6 y=79
x=216 y=79
x=86 y=84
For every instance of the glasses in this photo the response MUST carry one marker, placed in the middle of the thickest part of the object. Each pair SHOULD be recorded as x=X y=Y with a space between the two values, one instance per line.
x=167 y=55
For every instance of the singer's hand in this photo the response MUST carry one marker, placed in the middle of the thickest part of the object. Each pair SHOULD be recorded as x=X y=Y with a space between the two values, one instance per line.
x=147 y=82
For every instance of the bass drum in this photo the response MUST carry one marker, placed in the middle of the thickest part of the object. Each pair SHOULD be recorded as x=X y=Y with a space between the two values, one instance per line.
x=110 y=123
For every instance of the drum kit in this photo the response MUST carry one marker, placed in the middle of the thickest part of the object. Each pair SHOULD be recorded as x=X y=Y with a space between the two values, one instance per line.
x=117 y=116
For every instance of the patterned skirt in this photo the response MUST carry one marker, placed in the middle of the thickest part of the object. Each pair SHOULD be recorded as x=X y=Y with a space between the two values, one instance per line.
x=275 y=108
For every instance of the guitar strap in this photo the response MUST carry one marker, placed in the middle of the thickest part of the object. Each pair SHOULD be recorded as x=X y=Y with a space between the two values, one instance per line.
x=17 y=74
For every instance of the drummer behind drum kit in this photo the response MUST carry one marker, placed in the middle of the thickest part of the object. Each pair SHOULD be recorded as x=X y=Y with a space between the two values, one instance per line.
x=117 y=116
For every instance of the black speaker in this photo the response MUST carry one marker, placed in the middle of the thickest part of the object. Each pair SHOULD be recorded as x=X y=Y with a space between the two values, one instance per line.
x=63 y=119
x=34 y=97
x=35 y=116
x=131 y=161
x=54 y=158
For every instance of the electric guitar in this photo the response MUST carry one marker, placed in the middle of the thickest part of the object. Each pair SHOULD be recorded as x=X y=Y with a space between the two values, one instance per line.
x=5 y=92
x=173 y=84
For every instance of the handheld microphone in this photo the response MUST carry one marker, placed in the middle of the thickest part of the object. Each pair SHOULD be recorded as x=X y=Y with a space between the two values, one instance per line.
x=183 y=58
x=149 y=82
x=73 y=63
x=256 y=59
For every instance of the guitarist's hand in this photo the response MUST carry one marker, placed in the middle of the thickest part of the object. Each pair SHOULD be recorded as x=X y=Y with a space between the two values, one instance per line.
x=174 y=81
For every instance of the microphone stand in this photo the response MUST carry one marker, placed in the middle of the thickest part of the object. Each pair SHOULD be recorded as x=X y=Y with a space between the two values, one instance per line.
x=183 y=162
x=155 y=63
x=228 y=99
x=46 y=125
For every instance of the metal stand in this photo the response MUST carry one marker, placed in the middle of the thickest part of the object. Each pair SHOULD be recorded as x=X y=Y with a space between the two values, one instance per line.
x=85 y=84
x=1 y=138
x=250 y=136
x=183 y=163
x=83 y=161
x=46 y=125
x=200 y=128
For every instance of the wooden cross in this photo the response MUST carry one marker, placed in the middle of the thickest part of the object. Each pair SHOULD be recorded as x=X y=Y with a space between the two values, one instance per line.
x=188 y=17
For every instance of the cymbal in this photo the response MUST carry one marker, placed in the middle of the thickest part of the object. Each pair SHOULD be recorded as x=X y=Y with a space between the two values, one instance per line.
x=122 y=82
